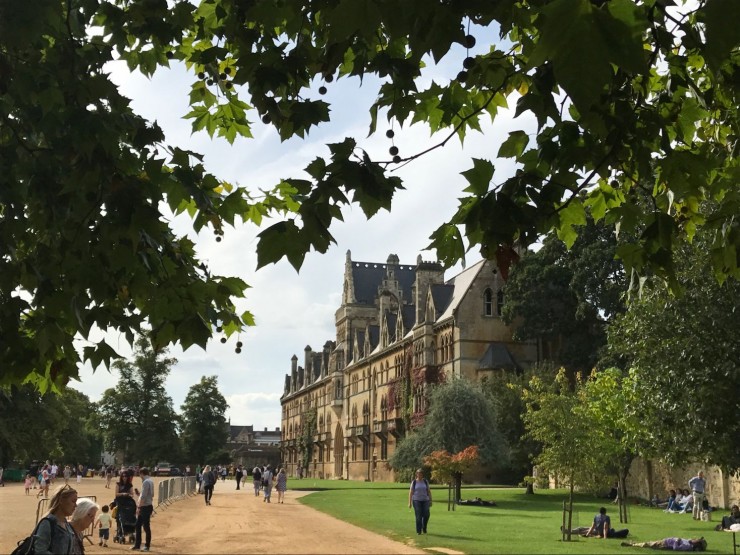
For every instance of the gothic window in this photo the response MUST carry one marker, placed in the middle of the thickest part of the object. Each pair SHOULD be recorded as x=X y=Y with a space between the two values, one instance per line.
x=434 y=352
x=328 y=422
x=383 y=448
x=321 y=423
x=419 y=400
x=366 y=451
x=354 y=415
x=499 y=302
x=384 y=408
x=338 y=389
x=488 y=302
x=366 y=413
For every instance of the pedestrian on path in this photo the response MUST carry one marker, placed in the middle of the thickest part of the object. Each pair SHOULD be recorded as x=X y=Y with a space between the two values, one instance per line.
x=238 y=475
x=281 y=485
x=257 y=480
x=144 y=510
x=267 y=481
x=209 y=480
x=420 y=497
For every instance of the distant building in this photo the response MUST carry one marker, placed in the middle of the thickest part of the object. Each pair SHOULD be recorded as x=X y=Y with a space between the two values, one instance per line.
x=399 y=329
x=249 y=447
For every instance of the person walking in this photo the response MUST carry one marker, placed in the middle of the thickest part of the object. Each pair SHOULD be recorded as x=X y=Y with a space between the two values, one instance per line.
x=420 y=497
x=83 y=518
x=281 y=485
x=144 y=510
x=239 y=473
x=103 y=525
x=257 y=479
x=698 y=486
x=208 y=481
x=267 y=481
x=53 y=533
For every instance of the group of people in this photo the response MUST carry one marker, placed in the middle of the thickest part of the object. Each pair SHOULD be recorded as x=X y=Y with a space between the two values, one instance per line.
x=42 y=477
x=62 y=529
x=130 y=498
x=263 y=478
x=685 y=500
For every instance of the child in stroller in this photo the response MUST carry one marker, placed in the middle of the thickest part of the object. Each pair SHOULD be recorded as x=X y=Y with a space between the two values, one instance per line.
x=125 y=521
x=125 y=508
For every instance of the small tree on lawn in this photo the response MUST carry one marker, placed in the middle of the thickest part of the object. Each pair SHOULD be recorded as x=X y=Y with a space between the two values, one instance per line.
x=459 y=415
x=449 y=469
x=556 y=418
x=609 y=402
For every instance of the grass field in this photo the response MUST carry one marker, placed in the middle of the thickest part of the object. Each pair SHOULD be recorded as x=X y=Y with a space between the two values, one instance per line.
x=518 y=524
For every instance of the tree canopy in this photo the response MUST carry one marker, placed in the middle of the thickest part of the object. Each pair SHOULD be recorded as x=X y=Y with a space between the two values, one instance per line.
x=459 y=415
x=567 y=296
x=684 y=355
x=59 y=427
x=627 y=96
x=204 y=427
x=137 y=416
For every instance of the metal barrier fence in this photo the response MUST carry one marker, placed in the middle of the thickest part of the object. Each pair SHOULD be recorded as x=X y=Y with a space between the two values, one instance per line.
x=176 y=488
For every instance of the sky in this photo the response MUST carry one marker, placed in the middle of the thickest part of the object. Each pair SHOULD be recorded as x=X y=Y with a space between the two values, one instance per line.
x=293 y=310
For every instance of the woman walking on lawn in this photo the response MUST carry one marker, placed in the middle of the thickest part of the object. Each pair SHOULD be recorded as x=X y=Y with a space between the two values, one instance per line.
x=420 y=496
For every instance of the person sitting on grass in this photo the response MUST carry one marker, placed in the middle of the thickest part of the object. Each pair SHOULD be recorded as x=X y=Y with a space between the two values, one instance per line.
x=668 y=505
x=672 y=544
x=732 y=518
x=602 y=527
x=686 y=502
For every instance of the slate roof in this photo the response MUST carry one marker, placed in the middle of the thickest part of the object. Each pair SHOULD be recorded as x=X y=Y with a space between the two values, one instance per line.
x=367 y=277
x=441 y=295
x=462 y=282
x=496 y=357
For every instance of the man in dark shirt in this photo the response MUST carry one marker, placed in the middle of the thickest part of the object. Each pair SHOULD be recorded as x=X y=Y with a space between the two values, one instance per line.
x=602 y=527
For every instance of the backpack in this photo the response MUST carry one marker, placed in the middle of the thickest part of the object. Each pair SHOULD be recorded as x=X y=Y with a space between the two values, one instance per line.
x=413 y=485
x=26 y=546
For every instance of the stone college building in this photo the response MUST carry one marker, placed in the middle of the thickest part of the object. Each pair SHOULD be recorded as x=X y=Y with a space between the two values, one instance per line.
x=399 y=329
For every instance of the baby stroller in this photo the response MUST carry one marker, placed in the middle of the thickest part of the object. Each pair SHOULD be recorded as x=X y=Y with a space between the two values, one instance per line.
x=125 y=520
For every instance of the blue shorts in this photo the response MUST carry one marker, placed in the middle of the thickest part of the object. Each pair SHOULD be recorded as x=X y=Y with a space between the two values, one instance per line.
x=104 y=533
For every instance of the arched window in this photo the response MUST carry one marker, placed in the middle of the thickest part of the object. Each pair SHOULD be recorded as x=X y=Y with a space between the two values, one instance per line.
x=488 y=302
x=499 y=302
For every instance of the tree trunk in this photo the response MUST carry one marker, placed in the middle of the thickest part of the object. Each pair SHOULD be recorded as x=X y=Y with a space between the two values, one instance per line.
x=570 y=509
x=530 y=488
x=458 y=487
x=622 y=495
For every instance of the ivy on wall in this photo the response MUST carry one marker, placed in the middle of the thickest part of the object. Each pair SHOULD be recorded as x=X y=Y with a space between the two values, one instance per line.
x=308 y=430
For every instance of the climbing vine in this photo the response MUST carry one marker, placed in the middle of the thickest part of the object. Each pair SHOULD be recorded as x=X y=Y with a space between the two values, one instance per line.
x=308 y=430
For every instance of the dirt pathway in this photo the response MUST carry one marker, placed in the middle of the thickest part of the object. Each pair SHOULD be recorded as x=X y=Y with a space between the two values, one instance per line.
x=236 y=522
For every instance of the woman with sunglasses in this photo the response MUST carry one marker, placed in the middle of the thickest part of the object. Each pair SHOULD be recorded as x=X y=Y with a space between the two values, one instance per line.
x=53 y=533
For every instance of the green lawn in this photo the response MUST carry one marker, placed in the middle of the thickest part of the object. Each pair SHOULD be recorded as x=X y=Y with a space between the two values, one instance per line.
x=519 y=524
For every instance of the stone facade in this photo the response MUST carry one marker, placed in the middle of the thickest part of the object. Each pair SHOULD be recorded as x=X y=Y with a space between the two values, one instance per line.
x=650 y=477
x=399 y=329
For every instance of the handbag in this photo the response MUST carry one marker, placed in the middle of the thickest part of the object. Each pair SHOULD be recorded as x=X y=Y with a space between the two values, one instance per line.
x=26 y=546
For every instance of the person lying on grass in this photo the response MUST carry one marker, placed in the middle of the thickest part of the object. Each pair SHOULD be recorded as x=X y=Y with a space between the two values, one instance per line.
x=672 y=544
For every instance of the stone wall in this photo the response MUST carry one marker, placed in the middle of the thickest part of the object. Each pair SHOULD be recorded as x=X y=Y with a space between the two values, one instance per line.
x=647 y=478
